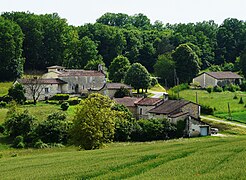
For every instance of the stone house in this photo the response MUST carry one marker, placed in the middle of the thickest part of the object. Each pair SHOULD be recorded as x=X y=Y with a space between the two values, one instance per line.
x=111 y=88
x=217 y=79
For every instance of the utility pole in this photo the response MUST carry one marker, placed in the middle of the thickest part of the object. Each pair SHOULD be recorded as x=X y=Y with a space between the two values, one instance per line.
x=175 y=76
x=229 y=111
x=196 y=98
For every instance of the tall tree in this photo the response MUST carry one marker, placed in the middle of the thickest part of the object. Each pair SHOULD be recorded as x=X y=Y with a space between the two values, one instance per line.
x=243 y=62
x=186 y=63
x=138 y=77
x=118 y=68
x=11 y=61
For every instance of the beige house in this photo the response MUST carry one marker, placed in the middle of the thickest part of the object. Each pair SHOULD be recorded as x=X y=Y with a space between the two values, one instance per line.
x=217 y=79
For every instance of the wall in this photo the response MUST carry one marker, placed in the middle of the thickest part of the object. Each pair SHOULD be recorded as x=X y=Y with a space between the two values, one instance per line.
x=193 y=110
x=205 y=80
x=145 y=109
x=49 y=75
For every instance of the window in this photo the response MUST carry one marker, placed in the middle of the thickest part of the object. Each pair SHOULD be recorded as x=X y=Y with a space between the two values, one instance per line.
x=46 y=90
x=140 y=111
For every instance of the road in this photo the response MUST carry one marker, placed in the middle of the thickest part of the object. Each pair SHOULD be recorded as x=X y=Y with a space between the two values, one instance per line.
x=224 y=121
x=156 y=94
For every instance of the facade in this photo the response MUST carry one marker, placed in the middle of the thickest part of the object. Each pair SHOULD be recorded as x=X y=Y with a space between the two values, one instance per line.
x=217 y=79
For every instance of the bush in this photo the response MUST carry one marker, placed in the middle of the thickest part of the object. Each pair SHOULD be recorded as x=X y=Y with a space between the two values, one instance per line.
x=180 y=87
x=73 y=101
x=152 y=129
x=59 y=97
x=218 y=89
x=3 y=104
x=232 y=88
x=17 y=93
x=235 y=97
x=122 y=92
x=18 y=142
x=209 y=89
x=40 y=145
x=243 y=86
x=54 y=130
x=2 y=128
x=28 y=102
x=6 y=98
x=241 y=101
x=205 y=109
x=64 y=106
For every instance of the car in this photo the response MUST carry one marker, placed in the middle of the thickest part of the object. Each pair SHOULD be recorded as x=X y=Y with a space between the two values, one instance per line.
x=214 y=130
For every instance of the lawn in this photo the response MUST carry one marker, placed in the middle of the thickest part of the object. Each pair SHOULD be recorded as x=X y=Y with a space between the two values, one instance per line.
x=237 y=116
x=4 y=86
x=196 y=158
x=217 y=100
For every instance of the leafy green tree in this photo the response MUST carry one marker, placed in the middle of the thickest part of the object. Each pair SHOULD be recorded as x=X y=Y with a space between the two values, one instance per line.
x=113 y=19
x=94 y=122
x=243 y=62
x=118 y=68
x=122 y=92
x=17 y=92
x=164 y=69
x=11 y=38
x=147 y=56
x=93 y=64
x=138 y=77
x=186 y=63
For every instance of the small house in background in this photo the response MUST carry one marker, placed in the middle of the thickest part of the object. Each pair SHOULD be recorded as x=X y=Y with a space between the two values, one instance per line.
x=113 y=87
x=217 y=79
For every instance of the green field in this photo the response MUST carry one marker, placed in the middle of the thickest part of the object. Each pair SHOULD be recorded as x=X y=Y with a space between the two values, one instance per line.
x=4 y=86
x=217 y=100
x=197 y=158
x=237 y=116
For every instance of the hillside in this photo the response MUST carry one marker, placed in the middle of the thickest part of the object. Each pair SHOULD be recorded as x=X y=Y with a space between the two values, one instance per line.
x=203 y=158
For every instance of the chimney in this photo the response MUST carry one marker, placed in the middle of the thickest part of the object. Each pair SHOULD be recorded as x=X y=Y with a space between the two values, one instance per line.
x=165 y=96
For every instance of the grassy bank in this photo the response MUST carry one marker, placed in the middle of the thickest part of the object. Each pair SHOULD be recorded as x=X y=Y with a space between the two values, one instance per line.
x=4 y=86
x=203 y=158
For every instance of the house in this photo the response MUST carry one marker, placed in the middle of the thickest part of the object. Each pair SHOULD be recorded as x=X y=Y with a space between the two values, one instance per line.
x=217 y=79
x=173 y=110
x=113 y=87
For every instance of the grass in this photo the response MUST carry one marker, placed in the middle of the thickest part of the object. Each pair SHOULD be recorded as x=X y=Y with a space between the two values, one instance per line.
x=4 y=87
x=236 y=116
x=217 y=100
x=197 y=158
x=158 y=88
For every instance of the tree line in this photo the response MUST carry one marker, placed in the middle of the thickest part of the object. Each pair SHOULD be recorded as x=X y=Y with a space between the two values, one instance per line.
x=33 y=42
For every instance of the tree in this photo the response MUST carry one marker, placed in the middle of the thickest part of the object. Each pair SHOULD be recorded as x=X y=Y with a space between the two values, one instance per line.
x=118 y=68
x=93 y=64
x=186 y=63
x=94 y=122
x=138 y=77
x=122 y=92
x=11 y=38
x=243 y=62
x=164 y=69
x=17 y=92
x=33 y=86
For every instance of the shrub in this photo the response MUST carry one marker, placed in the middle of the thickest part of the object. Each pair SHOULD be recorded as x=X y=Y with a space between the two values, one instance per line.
x=209 y=89
x=19 y=124
x=73 y=101
x=152 y=129
x=53 y=102
x=54 y=129
x=241 y=101
x=17 y=93
x=235 y=96
x=64 y=106
x=6 y=98
x=180 y=87
x=205 y=109
x=218 y=89
x=28 y=102
x=243 y=86
x=18 y=142
x=122 y=92
x=59 y=97
x=3 y=104
x=2 y=128
x=40 y=145
x=232 y=88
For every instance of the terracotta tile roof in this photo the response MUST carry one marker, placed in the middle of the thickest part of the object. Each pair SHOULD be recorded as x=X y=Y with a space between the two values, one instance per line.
x=117 y=86
x=149 y=101
x=127 y=101
x=42 y=81
x=169 y=106
x=224 y=75
x=79 y=72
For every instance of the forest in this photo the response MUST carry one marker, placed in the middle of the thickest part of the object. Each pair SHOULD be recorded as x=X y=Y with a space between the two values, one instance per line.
x=31 y=42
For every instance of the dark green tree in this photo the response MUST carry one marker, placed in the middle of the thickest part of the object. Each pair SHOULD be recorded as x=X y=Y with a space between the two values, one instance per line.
x=11 y=38
x=138 y=77
x=186 y=63
x=243 y=62
x=17 y=92
x=118 y=68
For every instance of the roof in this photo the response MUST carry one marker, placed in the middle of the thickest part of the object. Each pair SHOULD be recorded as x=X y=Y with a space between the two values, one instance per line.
x=149 y=101
x=169 y=106
x=179 y=114
x=79 y=72
x=41 y=81
x=117 y=86
x=55 y=67
x=224 y=75
x=127 y=101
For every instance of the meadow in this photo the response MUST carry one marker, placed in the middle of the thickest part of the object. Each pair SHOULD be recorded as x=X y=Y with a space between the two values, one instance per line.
x=196 y=158
x=4 y=87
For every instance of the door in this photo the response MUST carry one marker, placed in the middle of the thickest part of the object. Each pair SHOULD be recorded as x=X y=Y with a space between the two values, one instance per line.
x=204 y=131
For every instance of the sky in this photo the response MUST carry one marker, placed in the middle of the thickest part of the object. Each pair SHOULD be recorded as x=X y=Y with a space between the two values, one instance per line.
x=80 y=12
